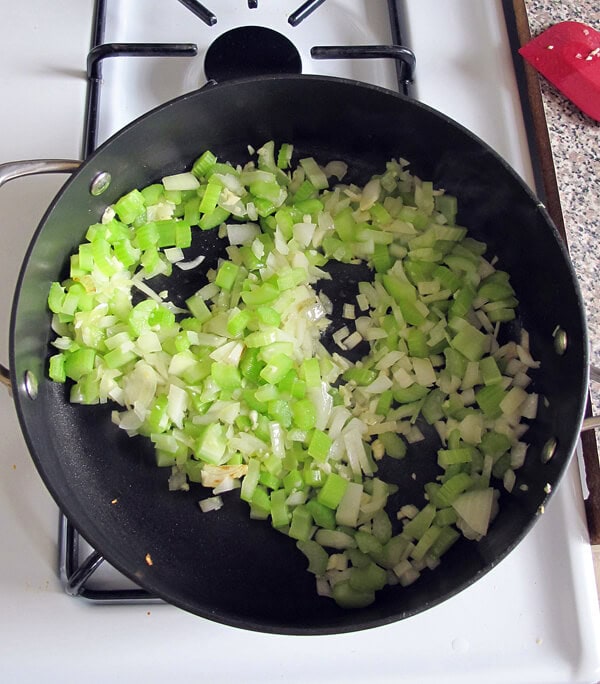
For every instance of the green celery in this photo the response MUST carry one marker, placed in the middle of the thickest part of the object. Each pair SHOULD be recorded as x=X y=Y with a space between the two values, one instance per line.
x=372 y=577
x=416 y=528
x=319 y=445
x=198 y=308
x=453 y=488
x=284 y=156
x=56 y=369
x=226 y=275
x=280 y=411
x=395 y=446
x=314 y=173
x=130 y=206
x=445 y=539
x=208 y=202
x=311 y=371
x=277 y=368
x=204 y=162
x=490 y=373
x=301 y=524
x=322 y=515
x=489 y=398
x=348 y=597
x=305 y=191
x=152 y=194
x=213 y=219
x=250 y=364
x=368 y=543
x=316 y=555
x=304 y=414
x=361 y=376
x=470 y=342
x=332 y=491
x=425 y=543
x=226 y=376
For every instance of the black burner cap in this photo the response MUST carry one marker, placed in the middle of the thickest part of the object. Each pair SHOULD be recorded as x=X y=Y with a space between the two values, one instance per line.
x=251 y=51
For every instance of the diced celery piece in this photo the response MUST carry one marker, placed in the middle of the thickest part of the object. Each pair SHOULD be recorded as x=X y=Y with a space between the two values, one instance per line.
x=213 y=219
x=489 y=399
x=277 y=368
x=368 y=543
x=470 y=342
x=314 y=173
x=322 y=515
x=304 y=414
x=372 y=577
x=226 y=275
x=301 y=524
x=56 y=369
x=446 y=538
x=316 y=555
x=211 y=445
x=348 y=597
x=198 y=308
x=206 y=160
x=425 y=542
x=332 y=491
x=280 y=514
x=415 y=528
x=319 y=446
x=130 y=206
x=394 y=445
x=226 y=376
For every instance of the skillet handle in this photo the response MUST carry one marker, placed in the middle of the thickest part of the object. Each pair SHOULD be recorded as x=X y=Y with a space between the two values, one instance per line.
x=12 y=170
x=593 y=421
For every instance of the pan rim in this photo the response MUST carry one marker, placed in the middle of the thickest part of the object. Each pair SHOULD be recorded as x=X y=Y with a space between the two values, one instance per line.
x=21 y=396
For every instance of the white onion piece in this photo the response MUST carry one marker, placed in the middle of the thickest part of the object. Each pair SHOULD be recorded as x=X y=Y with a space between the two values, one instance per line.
x=212 y=503
x=181 y=181
x=242 y=233
x=188 y=265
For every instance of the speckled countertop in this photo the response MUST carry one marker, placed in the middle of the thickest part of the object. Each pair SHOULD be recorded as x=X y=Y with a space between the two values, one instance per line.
x=575 y=142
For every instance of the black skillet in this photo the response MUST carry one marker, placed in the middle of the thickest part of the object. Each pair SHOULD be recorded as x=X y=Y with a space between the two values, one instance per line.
x=222 y=565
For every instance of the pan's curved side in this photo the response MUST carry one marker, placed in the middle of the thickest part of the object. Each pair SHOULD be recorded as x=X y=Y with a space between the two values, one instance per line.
x=222 y=565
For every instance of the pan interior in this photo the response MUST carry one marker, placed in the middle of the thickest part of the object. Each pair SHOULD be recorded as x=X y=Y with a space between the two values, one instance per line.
x=223 y=565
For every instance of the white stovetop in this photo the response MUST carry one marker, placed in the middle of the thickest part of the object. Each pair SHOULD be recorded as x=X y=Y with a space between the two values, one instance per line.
x=532 y=619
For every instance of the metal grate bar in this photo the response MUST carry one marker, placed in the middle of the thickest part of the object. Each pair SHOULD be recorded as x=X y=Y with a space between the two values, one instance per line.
x=200 y=11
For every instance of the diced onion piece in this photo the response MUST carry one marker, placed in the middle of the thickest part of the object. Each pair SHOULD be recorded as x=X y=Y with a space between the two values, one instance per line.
x=181 y=181
x=370 y=194
x=475 y=508
x=353 y=340
x=337 y=169
x=242 y=233
x=212 y=503
x=174 y=254
x=189 y=265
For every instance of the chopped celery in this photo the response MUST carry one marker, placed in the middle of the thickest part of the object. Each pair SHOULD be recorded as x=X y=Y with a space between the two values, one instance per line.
x=316 y=555
x=240 y=384
x=301 y=524
x=130 y=206
x=332 y=492
x=348 y=597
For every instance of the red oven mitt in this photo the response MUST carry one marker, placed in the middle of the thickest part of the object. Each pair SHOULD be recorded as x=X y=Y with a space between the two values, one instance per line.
x=568 y=55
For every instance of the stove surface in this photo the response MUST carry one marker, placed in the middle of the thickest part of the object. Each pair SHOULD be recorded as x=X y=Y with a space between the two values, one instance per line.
x=533 y=618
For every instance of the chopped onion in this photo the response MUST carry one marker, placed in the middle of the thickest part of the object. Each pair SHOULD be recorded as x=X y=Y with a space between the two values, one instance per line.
x=242 y=233
x=212 y=503
x=239 y=391
x=189 y=265
x=181 y=181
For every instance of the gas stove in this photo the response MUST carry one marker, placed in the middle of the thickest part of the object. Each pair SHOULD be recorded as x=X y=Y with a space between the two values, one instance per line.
x=533 y=618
